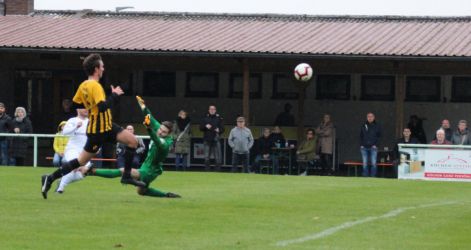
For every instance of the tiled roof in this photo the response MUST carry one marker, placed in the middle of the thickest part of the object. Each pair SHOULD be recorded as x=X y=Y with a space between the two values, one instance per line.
x=238 y=33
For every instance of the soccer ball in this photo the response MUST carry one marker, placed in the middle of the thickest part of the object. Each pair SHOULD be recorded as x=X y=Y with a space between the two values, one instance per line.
x=303 y=72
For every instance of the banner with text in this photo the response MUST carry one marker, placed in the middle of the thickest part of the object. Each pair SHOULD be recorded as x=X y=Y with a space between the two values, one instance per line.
x=447 y=163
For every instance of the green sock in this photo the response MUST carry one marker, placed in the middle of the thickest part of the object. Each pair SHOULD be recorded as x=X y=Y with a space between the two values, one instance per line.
x=155 y=192
x=108 y=173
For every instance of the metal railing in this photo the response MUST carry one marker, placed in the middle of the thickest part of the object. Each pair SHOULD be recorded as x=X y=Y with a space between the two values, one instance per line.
x=35 y=142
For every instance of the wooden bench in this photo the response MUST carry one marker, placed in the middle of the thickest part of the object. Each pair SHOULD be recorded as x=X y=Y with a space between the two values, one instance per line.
x=356 y=164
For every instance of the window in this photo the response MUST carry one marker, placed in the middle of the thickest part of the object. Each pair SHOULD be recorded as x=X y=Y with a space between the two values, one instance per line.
x=236 y=86
x=202 y=85
x=161 y=84
x=284 y=87
x=377 y=88
x=461 y=89
x=423 y=88
x=335 y=87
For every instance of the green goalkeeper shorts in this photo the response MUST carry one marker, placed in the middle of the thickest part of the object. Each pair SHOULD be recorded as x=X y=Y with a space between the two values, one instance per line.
x=147 y=176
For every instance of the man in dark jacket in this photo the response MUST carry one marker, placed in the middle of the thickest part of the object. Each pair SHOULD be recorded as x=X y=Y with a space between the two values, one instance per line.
x=5 y=127
x=212 y=127
x=369 y=138
x=461 y=136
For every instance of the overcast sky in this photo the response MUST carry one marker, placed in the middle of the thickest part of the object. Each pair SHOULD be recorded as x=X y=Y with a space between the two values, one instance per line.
x=311 y=7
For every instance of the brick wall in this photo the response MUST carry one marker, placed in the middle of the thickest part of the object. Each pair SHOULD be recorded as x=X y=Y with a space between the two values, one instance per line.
x=18 y=7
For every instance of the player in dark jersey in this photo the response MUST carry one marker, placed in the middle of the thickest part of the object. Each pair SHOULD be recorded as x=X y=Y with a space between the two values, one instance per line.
x=91 y=96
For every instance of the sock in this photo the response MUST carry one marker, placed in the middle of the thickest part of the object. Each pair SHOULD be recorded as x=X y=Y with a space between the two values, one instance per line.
x=108 y=173
x=65 y=169
x=69 y=178
x=155 y=193
x=128 y=157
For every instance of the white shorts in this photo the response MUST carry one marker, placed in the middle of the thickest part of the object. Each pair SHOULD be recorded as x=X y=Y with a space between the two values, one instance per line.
x=72 y=153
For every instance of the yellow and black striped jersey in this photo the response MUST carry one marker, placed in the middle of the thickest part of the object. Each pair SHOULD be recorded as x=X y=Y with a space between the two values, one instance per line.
x=90 y=94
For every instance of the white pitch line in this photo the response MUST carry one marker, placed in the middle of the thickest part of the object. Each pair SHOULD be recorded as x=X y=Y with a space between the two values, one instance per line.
x=350 y=224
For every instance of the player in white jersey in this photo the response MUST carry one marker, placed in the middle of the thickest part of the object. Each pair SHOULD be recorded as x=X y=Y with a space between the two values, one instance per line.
x=75 y=128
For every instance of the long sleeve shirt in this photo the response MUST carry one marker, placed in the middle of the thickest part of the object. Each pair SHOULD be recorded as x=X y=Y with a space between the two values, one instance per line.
x=158 y=148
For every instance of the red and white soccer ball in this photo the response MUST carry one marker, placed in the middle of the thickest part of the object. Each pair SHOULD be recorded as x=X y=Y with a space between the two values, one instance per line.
x=303 y=72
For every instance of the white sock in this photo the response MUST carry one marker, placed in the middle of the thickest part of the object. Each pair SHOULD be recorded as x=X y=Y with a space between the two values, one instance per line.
x=69 y=178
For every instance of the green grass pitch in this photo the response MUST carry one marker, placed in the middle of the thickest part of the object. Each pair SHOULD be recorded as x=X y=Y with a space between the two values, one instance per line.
x=235 y=211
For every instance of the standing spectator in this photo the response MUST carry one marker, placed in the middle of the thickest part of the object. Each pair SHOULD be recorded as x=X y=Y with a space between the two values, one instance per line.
x=60 y=141
x=263 y=149
x=285 y=118
x=461 y=135
x=5 y=127
x=440 y=134
x=19 y=145
x=212 y=127
x=182 y=140
x=325 y=135
x=405 y=139
x=277 y=137
x=447 y=128
x=121 y=150
x=416 y=128
x=240 y=140
x=370 y=134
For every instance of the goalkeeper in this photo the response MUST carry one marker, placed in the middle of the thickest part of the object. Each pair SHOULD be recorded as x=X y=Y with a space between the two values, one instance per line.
x=158 y=151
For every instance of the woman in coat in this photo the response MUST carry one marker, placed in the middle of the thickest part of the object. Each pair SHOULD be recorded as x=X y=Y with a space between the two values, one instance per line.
x=19 y=145
x=325 y=135
x=182 y=139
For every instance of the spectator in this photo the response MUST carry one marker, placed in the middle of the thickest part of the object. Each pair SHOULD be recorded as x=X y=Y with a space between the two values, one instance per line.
x=447 y=128
x=182 y=139
x=212 y=127
x=19 y=145
x=405 y=139
x=67 y=111
x=325 y=135
x=285 y=118
x=370 y=134
x=461 y=135
x=5 y=127
x=263 y=149
x=121 y=149
x=60 y=141
x=240 y=140
x=440 y=134
x=307 y=148
x=416 y=128
x=278 y=137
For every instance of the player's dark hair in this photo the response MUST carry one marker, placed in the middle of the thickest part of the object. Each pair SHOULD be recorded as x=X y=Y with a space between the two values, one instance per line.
x=90 y=63
x=169 y=125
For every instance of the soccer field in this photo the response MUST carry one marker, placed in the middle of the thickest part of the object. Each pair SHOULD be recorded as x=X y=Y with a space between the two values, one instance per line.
x=235 y=211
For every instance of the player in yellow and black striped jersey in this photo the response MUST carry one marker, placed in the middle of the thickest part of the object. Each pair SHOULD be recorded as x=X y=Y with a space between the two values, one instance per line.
x=101 y=129
x=92 y=97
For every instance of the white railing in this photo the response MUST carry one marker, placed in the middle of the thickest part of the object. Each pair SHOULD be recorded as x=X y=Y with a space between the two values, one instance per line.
x=35 y=142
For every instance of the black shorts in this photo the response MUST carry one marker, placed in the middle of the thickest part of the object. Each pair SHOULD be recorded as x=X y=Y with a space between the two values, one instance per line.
x=95 y=141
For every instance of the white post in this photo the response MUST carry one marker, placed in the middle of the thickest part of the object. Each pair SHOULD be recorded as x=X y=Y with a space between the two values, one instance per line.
x=35 y=157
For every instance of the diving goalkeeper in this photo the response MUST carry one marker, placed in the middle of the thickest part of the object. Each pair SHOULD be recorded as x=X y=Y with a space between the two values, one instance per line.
x=161 y=140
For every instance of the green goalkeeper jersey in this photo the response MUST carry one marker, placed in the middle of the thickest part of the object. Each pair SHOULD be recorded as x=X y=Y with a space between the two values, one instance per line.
x=158 y=148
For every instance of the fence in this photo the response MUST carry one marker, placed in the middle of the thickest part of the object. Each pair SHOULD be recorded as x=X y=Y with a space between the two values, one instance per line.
x=196 y=155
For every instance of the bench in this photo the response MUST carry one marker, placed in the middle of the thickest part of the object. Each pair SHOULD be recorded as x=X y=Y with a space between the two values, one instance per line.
x=356 y=164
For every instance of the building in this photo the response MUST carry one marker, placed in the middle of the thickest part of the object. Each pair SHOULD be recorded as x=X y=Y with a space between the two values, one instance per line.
x=393 y=66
